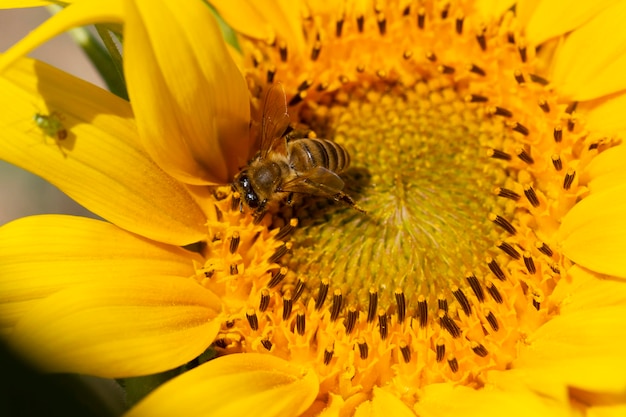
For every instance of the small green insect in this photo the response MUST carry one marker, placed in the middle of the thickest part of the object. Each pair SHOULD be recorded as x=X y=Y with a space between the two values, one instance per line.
x=51 y=125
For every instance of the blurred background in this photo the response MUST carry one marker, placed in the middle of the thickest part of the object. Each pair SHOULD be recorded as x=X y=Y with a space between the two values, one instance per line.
x=24 y=194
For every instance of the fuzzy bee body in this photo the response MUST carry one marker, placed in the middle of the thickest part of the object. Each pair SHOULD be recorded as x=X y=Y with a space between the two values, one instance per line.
x=306 y=154
x=299 y=166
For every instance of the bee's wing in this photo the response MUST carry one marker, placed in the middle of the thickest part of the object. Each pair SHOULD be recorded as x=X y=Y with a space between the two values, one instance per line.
x=317 y=181
x=274 y=121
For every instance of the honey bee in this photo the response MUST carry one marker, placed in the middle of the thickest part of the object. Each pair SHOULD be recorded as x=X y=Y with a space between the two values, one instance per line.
x=282 y=168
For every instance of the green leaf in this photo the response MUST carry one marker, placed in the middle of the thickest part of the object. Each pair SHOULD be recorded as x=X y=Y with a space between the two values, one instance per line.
x=105 y=56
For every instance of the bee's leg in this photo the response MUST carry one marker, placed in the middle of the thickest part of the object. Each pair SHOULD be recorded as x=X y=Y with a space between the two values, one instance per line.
x=288 y=132
x=290 y=199
x=259 y=213
x=258 y=216
x=343 y=197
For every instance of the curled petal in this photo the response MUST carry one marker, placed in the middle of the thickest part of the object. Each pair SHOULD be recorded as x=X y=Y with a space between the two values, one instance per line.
x=584 y=289
x=91 y=153
x=41 y=255
x=607 y=170
x=553 y=18
x=240 y=385
x=383 y=404
x=440 y=400
x=190 y=100
x=266 y=19
x=584 y=76
x=119 y=327
x=593 y=233
x=608 y=116
x=493 y=8
x=582 y=349
x=613 y=410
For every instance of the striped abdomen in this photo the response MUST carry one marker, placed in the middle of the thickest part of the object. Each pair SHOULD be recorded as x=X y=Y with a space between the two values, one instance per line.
x=305 y=154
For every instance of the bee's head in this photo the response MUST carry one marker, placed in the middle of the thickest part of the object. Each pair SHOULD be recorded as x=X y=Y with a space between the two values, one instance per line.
x=243 y=185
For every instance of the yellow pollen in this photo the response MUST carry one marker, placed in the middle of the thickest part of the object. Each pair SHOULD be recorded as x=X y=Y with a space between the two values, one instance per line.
x=464 y=162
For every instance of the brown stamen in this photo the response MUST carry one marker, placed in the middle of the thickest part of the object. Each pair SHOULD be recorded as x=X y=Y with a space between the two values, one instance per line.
x=373 y=304
x=503 y=223
x=265 y=300
x=422 y=311
x=569 y=179
x=353 y=316
x=556 y=161
x=495 y=268
x=492 y=320
x=337 y=304
x=363 y=349
x=322 y=293
x=301 y=323
x=462 y=299
x=405 y=350
x=401 y=304
x=493 y=291
x=382 y=324
x=506 y=193
x=277 y=277
x=509 y=250
x=287 y=306
x=476 y=288
x=253 y=321
x=530 y=194
x=234 y=242
x=479 y=349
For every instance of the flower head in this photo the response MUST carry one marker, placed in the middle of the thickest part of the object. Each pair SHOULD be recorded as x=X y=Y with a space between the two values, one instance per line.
x=483 y=275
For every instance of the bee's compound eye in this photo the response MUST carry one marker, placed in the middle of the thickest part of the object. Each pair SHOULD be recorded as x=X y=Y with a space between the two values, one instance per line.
x=244 y=183
x=252 y=200
x=249 y=195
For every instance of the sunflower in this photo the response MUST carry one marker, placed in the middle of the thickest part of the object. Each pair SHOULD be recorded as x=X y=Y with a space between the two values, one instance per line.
x=483 y=277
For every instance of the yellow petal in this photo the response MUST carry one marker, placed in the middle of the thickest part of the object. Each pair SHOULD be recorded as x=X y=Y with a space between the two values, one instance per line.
x=593 y=233
x=583 y=349
x=81 y=13
x=331 y=407
x=119 y=327
x=246 y=384
x=608 y=116
x=524 y=10
x=592 y=60
x=616 y=410
x=442 y=400
x=266 y=20
x=493 y=8
x=99 y=163
x=606 y=170
x=190 y=100
x=583 y=289
x=41 y=255
x=383 y=404
x=552 y=18
x=545 y=385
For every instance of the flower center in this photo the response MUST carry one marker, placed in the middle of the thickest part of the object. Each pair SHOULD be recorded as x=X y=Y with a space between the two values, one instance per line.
x=464 y=162
x=426 y=278
x=421 y=172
